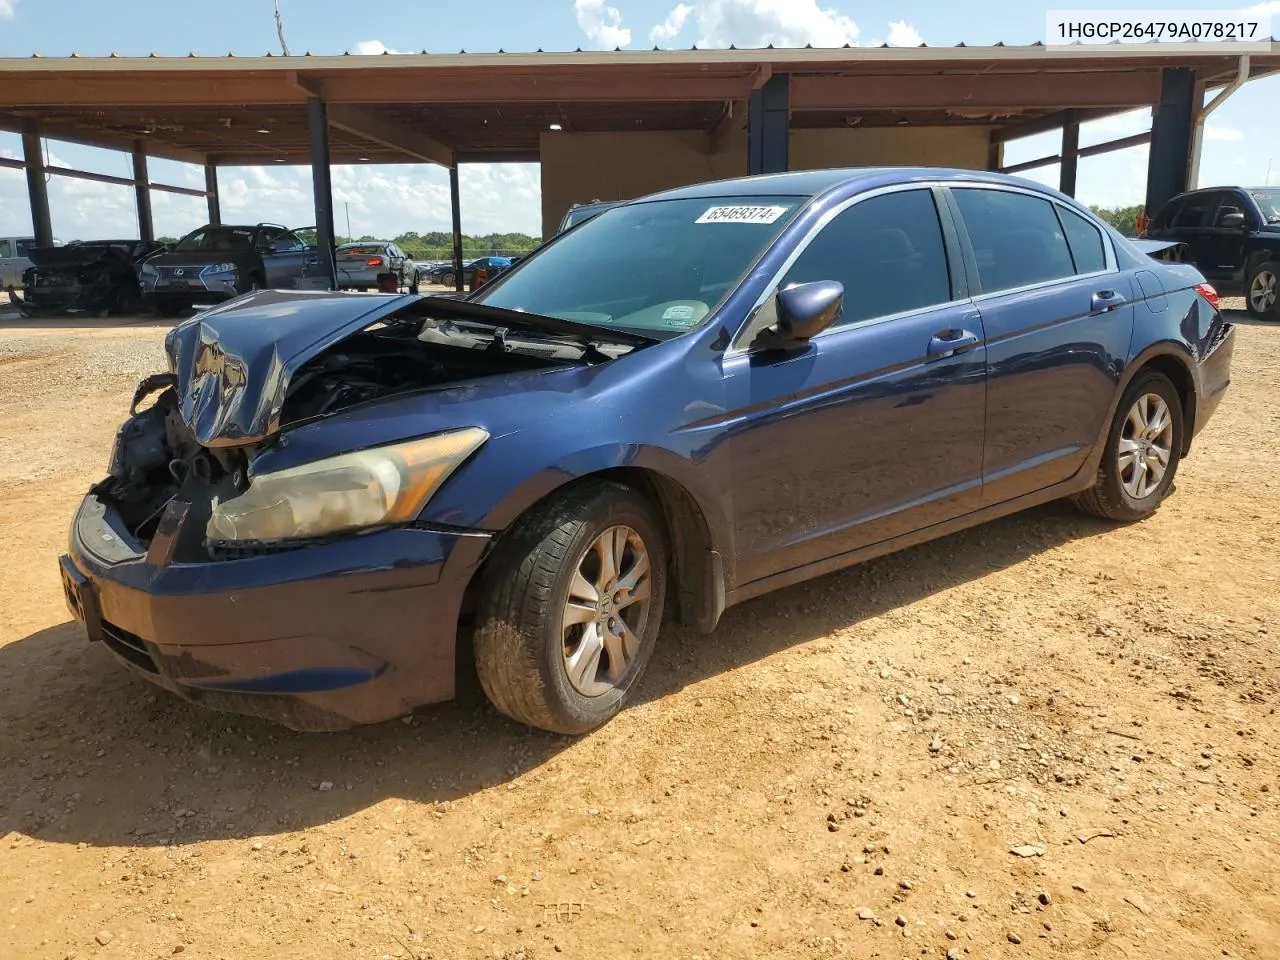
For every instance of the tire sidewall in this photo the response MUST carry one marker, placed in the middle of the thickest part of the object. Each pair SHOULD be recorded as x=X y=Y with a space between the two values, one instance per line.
x=1162 y=386
x=1272 y=267
x=577 y=711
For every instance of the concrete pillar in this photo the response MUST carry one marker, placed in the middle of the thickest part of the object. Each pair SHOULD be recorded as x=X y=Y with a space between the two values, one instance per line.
x=37 y=187
x=457 y=228
x=322 y=187
x=1070 y=154
x=142 y=191
x=769 y=127
x=211 y=194
x=1172 y=120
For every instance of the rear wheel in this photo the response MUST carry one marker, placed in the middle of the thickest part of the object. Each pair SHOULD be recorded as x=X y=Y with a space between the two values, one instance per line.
x=571 y=610
x=414 y=282
x=1262 y=292
x=1144 y=447
x=449 y=280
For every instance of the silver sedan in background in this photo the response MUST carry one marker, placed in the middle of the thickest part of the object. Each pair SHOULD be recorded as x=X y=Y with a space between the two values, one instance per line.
x=360 y=264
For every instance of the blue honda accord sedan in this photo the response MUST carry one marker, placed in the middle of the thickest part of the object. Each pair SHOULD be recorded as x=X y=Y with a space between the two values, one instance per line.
x=690 y=400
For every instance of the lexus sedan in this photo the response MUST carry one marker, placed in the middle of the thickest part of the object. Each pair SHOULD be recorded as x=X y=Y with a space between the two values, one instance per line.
x=687 y=401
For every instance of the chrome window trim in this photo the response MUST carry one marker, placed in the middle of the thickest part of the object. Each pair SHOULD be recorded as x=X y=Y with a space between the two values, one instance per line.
x=737 y=348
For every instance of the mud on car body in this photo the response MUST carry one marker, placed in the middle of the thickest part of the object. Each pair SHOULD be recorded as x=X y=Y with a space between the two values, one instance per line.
x=683 y=403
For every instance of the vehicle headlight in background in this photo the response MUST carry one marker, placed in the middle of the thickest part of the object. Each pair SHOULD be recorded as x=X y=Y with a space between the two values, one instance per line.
x=220 y=268
x=354 y=491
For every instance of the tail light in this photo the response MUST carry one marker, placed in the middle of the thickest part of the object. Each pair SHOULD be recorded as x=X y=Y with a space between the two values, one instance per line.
x=1206 y=290
x=373 y=262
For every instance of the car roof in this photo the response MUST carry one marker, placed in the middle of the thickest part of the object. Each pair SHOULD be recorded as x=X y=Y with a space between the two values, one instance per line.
x=811 y=183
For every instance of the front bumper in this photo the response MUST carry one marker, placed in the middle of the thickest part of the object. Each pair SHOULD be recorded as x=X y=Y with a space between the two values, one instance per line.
x=322 y=637
x=194 y=286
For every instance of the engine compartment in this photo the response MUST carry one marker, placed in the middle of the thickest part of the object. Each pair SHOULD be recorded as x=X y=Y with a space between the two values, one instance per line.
x=157 y=459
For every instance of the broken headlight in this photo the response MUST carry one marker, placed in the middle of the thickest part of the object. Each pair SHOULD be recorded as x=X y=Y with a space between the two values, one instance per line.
x=354 y=491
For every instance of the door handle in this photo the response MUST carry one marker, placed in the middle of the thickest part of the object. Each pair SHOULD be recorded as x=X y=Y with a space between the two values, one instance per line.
x=312 y=260
x=1105 y=300
x=947 y=343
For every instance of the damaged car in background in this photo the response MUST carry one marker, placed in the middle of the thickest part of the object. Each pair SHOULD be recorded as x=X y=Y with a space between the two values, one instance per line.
x=330 y=505
x=98 y=277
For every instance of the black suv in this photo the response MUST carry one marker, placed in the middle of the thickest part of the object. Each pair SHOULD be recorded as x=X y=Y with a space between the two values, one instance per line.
x=220 y=262
x=1233 y=234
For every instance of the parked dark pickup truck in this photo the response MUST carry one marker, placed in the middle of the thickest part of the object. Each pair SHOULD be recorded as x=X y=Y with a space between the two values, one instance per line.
x=1233 y=234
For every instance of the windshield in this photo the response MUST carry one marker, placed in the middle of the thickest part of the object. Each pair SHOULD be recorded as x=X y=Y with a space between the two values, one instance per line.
x=658 y=268
x=216 y=240
x=1269 y=201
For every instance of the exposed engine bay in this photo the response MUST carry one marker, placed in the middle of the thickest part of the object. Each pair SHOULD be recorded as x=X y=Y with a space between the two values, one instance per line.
x=157 y=458
x=96 y=277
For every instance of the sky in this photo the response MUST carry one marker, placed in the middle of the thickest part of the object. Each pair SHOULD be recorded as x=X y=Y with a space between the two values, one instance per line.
x=1242 y=142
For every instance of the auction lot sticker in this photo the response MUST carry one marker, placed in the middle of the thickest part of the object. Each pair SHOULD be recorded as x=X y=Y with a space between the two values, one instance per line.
x=741 y=215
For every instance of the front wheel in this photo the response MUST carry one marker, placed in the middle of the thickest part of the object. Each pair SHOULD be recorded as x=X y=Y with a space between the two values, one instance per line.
x=1262 y=291
x=1144 y=447
x=414 y=282
x=571 y=609
x=448 y=280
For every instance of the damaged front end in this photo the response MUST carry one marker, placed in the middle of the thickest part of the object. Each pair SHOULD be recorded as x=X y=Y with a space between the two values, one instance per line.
x=99 y=277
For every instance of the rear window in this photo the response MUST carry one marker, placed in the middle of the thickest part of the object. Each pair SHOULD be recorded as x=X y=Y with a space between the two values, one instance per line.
x=1085 y=241
x=365 y=251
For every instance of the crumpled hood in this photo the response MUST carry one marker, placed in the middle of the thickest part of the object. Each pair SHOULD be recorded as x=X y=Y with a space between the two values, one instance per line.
x=233 y=363
x=83 y=254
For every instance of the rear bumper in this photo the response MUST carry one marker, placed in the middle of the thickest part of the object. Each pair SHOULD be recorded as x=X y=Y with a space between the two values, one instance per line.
x=1215 y=377
x=322 y=637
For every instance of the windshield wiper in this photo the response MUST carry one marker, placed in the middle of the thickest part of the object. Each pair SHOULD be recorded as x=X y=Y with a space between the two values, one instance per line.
x=586 y=334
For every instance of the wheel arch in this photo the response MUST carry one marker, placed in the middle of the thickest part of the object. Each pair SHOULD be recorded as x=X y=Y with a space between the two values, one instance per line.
x=695 y=559
x=1175 y=365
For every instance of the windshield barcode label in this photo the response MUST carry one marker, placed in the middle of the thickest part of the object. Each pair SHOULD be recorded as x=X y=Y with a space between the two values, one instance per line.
x=741 y=215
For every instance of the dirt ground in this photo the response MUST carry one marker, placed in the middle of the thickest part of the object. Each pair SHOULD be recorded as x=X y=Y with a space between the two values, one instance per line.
x=1046 y=736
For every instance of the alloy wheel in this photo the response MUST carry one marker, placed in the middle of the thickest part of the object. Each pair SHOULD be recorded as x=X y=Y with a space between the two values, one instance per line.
x=1263 y=291
x=1145 y=446
x=606 y=611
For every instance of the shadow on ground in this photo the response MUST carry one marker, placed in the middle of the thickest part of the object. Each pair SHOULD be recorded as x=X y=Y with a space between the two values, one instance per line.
x=92 y=755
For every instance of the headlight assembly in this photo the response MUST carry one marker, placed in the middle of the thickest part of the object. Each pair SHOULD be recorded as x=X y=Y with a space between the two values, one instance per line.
x=220 y=268
x=354 y=491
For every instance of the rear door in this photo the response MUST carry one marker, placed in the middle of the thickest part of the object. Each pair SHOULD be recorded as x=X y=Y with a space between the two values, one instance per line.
x=7 y=262
x=1058 y=318
x=284 y=259
x=875 y=428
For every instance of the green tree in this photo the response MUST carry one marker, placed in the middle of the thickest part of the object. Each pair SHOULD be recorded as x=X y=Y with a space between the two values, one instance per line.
x=1123 y=219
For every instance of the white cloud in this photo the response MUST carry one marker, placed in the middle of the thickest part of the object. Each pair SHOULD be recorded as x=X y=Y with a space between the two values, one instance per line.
x=1212 y=132
x=670 y=28
x=783 y=23
x=602 y=25
x=903 y=34
x=367 y=48
x=1269 y=9
x=6 y=9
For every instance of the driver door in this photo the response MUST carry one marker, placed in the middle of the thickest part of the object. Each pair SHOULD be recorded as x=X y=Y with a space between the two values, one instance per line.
x=875 y=428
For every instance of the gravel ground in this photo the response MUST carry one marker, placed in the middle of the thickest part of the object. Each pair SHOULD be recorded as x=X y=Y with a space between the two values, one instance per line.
x=1047 y=736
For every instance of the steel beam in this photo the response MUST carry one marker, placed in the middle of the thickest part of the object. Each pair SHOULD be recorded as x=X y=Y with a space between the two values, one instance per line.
x=363 y=123
x=211 y=194
x=456 y=208
x=142 y=191
x=322 y=188
x=37 y=186
x=1070 y=154
x=1174 y=117
x=769 y=127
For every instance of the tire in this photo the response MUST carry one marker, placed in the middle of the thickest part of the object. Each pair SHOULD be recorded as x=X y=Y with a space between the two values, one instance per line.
x=1118 y=493
x=449 y=280
x=415 y=282
x=1264 y=301
x=524 y=651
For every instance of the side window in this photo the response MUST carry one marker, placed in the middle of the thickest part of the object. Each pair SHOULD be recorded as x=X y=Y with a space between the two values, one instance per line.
x=1195 y=211
x=887 y=251
x=1085 y=241
x=24 y=246
x=1016 y=238
x=5 y=249
x=287 y=243
x=1167 y=215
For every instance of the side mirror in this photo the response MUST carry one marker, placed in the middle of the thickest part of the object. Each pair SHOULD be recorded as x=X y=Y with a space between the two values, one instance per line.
x=803 y=312
x=1230 y=220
